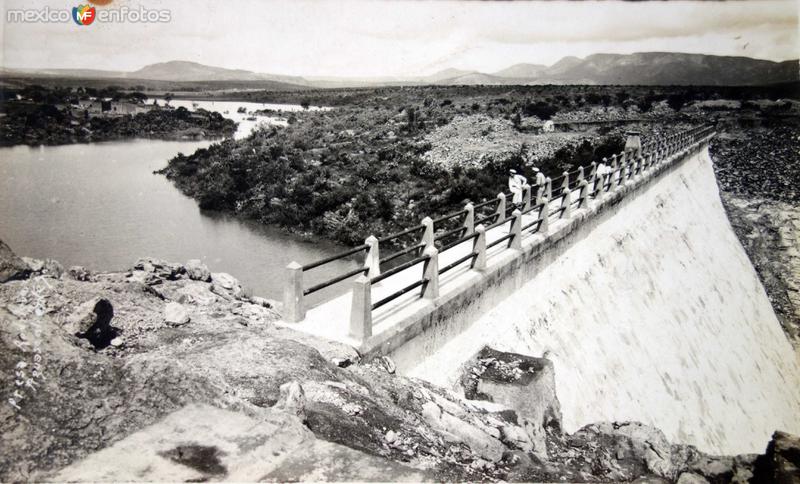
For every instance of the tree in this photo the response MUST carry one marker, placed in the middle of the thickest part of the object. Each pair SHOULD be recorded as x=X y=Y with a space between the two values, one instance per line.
x=676 y=101
x=516 y=120
x=540 y=109
x=168 y=97
x=411 y=115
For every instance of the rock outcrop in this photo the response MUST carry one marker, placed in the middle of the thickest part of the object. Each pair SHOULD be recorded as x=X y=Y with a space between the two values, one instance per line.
x=94 y=373
x=522 y=383
x=11 y=266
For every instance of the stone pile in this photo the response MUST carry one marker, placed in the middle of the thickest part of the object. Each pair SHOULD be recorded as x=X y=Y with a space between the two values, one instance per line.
x=472 y=141
x=759 y=163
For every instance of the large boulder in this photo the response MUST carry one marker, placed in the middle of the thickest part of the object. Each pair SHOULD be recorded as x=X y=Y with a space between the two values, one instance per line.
x=175 y=314
x=522 y=383
x=457 y=430
x=226 y=285
x=169 y=271
x=47 y=267
x=786 y=457
x=197 y=271
x=11 y=266
x=781 y=462
x=79 y=273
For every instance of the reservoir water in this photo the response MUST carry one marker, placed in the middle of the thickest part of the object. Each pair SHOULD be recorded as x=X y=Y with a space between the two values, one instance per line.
x=99 y=205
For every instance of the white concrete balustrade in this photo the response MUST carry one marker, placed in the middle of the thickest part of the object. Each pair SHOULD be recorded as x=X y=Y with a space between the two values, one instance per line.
x=363 y=317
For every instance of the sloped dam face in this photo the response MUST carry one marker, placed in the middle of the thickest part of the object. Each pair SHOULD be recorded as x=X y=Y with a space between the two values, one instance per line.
x=652 y=313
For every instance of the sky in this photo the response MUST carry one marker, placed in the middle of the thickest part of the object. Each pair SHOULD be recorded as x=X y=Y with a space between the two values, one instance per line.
x=394 y=38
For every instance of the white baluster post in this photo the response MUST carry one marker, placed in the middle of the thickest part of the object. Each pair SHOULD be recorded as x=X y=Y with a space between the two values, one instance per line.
x=361 y=309
x=373 y=260
x=430 y=272
x=293 y=304
x=479 y=248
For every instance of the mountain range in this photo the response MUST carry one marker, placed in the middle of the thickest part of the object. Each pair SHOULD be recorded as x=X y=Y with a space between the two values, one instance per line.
x=645 y=68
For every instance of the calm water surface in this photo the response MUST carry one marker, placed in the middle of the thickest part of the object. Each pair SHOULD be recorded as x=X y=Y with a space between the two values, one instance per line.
x=99 y=205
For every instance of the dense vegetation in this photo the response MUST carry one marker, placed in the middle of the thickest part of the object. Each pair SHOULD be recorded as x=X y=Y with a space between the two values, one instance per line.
x=359 y=169
x=37 y=115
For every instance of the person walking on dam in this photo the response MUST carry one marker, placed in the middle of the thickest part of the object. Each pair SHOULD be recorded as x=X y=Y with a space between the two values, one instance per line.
x=516 y=183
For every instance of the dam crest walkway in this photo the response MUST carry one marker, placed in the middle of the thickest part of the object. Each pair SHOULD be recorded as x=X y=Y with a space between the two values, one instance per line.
x=445 y=263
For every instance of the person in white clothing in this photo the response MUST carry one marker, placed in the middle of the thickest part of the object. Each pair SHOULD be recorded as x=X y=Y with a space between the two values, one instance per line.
x=602 y=171
x=516 y=183
x=540 y=178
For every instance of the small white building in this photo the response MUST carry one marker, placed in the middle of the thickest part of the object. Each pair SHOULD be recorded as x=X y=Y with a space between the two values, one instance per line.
x=548 y=127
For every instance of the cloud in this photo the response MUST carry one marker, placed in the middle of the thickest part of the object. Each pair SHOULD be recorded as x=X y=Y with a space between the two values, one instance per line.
x=359 y=38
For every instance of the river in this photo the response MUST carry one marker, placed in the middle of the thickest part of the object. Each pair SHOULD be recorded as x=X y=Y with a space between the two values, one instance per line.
x=99 y=205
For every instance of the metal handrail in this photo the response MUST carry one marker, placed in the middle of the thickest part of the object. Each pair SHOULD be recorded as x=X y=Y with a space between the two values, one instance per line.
x=444 y=235
x=498 y=241
x=332 y=258
x=537 y=222
x=449 y=216
x=499 y=223
x=453 y=264
x=391 y=297
x=486 y=219
x=532 y=208
x=401 y=253
x=330 y=282
x=400 y=234
x=399 y=268
x=458 y=242
x=486 y=203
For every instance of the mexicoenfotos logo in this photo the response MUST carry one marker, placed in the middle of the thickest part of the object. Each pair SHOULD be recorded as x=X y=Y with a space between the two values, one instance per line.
x=86 y=15
x=83 y=14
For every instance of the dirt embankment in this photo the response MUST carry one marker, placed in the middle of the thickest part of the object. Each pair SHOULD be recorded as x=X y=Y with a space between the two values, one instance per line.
x=757 y=170
x=88 y=359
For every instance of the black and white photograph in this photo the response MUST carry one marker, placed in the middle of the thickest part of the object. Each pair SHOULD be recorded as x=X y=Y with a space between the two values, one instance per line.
x=540 y=241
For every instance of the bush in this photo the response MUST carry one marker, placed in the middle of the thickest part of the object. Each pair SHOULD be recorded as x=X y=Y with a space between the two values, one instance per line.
x=540 y=109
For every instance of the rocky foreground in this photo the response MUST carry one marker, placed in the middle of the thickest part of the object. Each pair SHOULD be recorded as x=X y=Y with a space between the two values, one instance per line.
x=170 y=372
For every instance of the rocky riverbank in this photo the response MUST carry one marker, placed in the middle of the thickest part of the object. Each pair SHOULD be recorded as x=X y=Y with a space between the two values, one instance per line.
x=96 y=366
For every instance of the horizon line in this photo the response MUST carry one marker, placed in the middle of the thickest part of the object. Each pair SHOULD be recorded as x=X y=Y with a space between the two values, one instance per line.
x=470 y=70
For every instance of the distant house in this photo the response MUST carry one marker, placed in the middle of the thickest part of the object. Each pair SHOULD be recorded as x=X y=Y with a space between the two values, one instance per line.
x=127 y=108
x=107 y=107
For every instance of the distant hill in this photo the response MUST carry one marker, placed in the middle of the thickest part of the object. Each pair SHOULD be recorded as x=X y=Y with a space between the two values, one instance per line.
x=192 y=71
x=79 y=73
x=175 y=73
x=476 y=78
x=445 y=74
x=664 y=68
x=521 y=71
x=644 y=68
x=564 y=65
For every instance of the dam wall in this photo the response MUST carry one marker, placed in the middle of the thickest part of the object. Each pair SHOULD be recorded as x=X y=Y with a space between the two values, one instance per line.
x=650 y=311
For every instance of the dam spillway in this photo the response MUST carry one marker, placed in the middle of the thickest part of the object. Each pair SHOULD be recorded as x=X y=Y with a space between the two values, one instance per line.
x=652 y=313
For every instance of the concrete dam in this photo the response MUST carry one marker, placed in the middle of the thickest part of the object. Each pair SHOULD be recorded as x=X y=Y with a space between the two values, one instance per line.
x=633 y=283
